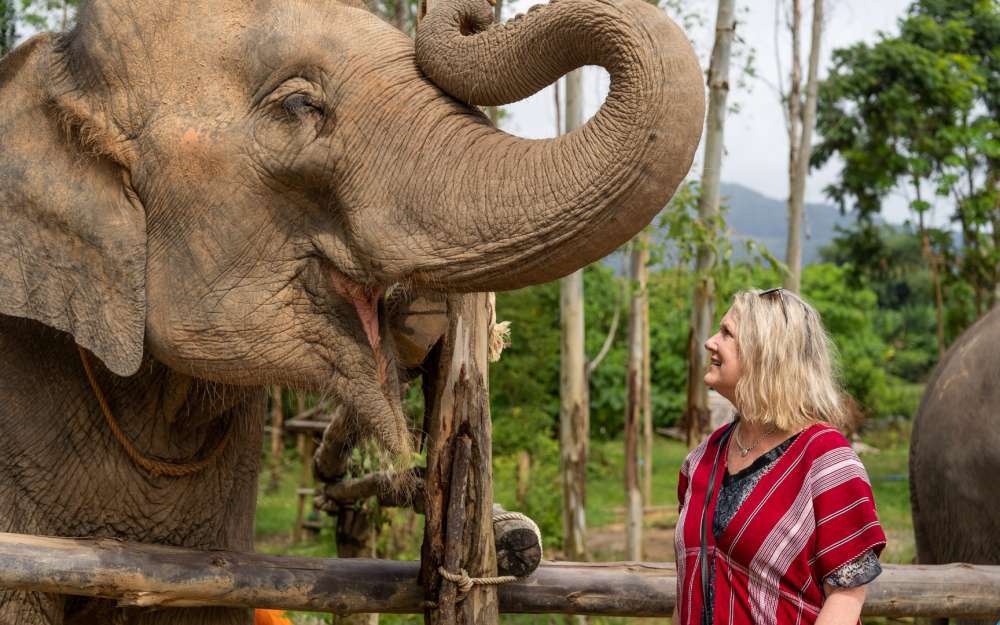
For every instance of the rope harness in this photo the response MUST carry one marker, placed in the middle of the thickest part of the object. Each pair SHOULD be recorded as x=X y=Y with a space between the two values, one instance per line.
x=462 y=579
x=156 y=467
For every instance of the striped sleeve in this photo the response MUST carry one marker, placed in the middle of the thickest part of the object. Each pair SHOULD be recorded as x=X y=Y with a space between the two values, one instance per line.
x=682 y=482
x=847 y=522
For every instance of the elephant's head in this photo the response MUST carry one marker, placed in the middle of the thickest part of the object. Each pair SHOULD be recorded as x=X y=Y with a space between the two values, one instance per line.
x=229 y=186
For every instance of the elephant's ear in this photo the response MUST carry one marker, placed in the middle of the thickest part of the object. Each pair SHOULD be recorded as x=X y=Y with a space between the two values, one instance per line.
x=72 y=233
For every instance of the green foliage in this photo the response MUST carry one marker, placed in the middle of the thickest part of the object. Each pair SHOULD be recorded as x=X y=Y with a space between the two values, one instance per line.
x=8 y=26
x=525 y=383
x=919 y=112
x=47 y=15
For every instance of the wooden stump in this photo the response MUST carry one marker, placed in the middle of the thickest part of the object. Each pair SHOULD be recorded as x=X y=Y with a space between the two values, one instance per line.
x=519 y=551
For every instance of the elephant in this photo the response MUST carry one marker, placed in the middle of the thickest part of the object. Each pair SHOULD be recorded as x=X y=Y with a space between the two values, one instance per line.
x=955 y=453
x=200 y=199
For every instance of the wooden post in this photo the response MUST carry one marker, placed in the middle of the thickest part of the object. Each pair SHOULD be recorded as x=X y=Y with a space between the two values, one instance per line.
x=460 y=412
x=305 y=484
x=277 y=439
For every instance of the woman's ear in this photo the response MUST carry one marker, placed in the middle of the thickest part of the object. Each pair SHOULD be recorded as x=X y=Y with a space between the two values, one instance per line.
x=72 y=232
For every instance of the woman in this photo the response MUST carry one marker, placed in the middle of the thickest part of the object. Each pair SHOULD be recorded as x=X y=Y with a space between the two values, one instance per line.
x=777 y=522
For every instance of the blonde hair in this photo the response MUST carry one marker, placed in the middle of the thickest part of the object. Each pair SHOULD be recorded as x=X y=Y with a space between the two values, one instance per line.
x=788 y=362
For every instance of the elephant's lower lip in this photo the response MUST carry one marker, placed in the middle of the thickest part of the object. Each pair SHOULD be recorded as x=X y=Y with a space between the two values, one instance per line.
x=365 y=300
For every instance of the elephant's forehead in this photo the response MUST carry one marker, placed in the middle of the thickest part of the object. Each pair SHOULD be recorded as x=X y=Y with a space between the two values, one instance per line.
x=195 y=49
x=331 y=36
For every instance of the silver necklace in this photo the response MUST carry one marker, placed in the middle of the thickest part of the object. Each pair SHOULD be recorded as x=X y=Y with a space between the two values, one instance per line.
x=744 y=450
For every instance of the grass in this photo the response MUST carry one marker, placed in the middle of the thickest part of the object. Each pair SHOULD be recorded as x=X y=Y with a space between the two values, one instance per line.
x=275 y=518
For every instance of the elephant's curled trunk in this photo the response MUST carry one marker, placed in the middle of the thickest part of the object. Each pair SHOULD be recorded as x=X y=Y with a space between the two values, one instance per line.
x=535 y=210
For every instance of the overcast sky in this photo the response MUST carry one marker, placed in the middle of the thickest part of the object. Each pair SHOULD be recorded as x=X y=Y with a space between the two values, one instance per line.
x=756 y=140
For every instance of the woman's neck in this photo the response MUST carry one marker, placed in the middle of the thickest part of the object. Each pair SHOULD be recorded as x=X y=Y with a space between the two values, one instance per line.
x=753 y=430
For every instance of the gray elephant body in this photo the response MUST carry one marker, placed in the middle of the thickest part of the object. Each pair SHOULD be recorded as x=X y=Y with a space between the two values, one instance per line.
x=63 y=473
x=210 y=197
x=955 y=453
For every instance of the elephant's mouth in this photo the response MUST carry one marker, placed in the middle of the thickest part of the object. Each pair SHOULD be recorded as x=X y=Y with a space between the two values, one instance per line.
x=365 y=300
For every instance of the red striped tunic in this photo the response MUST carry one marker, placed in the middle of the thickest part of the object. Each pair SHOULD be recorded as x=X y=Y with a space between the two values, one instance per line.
x=810 y=514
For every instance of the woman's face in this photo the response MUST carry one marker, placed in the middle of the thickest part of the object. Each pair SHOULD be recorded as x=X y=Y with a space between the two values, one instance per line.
x=724 y=369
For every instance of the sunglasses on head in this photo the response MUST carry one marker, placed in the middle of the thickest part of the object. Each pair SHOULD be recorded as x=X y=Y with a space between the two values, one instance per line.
x=781 y=299
x=778 y=290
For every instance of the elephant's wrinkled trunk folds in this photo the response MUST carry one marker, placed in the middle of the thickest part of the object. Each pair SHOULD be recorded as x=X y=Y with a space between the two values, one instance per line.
x=534 y=210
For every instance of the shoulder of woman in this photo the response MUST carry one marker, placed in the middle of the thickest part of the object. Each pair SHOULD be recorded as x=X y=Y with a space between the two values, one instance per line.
x=822 y=438
x=695 y=455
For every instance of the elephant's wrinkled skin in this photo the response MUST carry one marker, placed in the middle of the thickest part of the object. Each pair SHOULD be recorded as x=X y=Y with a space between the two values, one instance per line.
x=210 y=197
x=955 y=453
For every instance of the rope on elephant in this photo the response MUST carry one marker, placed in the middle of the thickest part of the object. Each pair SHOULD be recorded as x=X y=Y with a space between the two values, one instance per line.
x=156 y=467
x=462 y=579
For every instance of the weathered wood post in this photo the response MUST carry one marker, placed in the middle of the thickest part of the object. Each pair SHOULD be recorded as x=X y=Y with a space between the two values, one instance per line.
x=277 y=439
x=458 y=529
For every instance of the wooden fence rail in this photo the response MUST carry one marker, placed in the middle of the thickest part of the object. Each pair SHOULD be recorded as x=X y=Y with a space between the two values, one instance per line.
x=150 y=575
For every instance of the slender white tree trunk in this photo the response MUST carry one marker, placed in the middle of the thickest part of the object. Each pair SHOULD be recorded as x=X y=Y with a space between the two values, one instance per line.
x=801 y=141
x=634 y=401
x=574 y=396
x=702 y=309
x=647 y=399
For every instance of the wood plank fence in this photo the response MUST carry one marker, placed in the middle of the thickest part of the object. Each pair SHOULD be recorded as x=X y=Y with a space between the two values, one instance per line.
x=151 y=575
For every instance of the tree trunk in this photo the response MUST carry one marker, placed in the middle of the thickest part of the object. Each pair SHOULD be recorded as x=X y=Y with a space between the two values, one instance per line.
x=574 y=395
x=702 y=309
x=932 y=263
x=8 y=26
x=647 y=398
x=794 y=122
x=355 y=538
x=994 y=183
x=633 y=402
x=523 y=477
x=799 y=158
x=277 y=439
x=458 y=528
x=402 y=16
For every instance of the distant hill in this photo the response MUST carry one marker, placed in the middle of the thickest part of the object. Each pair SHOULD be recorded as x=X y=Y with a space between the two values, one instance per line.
x=752 y=215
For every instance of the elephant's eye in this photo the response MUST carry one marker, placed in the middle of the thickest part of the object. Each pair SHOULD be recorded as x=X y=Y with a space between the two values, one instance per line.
x=300 y=105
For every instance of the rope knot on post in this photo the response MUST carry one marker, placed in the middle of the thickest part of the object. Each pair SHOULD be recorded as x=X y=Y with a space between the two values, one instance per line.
x=462 y=579
x=465 y=583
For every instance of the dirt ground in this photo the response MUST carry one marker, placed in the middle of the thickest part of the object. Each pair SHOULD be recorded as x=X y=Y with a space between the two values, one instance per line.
x=607 y=543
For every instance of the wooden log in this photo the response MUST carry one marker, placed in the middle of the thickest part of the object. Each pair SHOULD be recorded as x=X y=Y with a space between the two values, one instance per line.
x=306 y=426
x=454 y=551
x=460 y=407
x=153 y=575
x=519 y=551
